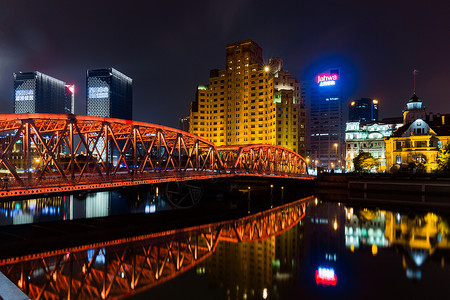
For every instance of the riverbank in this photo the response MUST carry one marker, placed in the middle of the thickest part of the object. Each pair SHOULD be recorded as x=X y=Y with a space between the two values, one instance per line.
x=425 y=190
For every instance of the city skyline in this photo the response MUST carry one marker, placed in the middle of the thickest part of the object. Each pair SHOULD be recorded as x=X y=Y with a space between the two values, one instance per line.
x=377 y=47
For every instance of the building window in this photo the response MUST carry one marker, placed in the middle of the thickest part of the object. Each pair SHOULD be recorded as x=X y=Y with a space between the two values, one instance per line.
x=399 y=160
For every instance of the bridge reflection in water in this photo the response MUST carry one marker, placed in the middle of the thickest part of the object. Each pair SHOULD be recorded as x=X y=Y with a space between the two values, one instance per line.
x=125 y=266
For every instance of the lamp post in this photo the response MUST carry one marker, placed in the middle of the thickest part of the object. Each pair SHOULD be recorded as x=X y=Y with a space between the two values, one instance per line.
x=335 y=148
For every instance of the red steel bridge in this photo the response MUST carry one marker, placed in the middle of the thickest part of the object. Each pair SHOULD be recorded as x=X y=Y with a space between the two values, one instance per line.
x=120 y=268
x=53 y=153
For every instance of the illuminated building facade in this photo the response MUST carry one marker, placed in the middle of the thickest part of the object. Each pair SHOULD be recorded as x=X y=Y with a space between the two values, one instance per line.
x=326 y=123
x=367 y=137
x=250 y=103
x=109 y=93
x=363 y=110
x=35 y=92
x=416 y=145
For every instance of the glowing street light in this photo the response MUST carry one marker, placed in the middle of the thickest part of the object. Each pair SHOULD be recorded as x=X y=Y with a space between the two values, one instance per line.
x=335 y=145
x=266 y=69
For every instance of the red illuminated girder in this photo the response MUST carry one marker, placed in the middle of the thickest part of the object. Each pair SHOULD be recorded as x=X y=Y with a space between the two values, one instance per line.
x=262 y=159
x=60 y=153
x=71 y=148
x=130 y=265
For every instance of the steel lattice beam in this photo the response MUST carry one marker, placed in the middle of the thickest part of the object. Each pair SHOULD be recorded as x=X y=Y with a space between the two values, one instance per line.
x=48 y=153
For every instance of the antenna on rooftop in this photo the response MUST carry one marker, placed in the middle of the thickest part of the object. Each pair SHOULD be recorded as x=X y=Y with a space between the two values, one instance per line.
x=415 y=72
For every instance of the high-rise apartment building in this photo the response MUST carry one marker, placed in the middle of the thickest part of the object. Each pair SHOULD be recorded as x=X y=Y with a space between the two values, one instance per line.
x=326 y=123
x=35 y=92
x=363 y=110
x=250 y=102
x=109 y=93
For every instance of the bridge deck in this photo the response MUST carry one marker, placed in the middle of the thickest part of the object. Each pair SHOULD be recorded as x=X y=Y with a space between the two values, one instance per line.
x=53 y=186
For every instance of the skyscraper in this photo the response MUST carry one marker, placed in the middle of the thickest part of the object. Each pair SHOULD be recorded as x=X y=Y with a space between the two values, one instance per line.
x=250 y=102
x=35 y=92
x=326 y=124
x=109 y=93
x=363 y=110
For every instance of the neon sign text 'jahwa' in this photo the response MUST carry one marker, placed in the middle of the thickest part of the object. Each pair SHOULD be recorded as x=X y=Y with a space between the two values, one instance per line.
x=325 y=79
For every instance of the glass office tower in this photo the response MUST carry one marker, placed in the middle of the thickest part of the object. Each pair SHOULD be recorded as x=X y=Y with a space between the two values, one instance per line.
x=109 y=93
x=35 y=92
x=326 y=125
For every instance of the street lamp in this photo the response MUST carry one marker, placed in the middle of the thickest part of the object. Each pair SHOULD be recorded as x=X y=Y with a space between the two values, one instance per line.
x=335 y=148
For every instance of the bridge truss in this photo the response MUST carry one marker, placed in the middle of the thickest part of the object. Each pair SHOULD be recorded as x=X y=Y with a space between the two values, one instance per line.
x=48 y=153
x=126 y=266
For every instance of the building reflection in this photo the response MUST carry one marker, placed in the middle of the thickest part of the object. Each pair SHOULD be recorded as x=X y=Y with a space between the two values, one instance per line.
x=324 y=238
x=419 y=237
x=80 y=206
x=244 y=270
x=365 y=227
x=255 y=270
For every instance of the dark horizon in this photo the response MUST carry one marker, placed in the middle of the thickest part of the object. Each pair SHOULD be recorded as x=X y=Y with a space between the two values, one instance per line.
x=169 y=51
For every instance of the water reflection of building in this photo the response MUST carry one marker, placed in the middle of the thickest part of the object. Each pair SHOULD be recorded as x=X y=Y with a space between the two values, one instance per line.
x=366 y=227
x=29 y=211
x=79 y=206
x=287 y=255
x=419 y=237
x=244 y=270
x=255 y=270
x=324 y=235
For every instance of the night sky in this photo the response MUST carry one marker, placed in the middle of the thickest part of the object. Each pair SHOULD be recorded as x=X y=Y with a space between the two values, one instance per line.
x=168 y=47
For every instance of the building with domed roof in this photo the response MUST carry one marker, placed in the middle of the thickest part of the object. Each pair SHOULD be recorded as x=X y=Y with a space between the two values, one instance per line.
x=416 y=145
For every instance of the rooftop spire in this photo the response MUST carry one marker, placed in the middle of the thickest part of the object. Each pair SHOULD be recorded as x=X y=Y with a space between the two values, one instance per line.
x=415 y=72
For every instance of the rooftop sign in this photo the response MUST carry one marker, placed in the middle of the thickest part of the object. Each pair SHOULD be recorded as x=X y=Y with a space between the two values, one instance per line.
x=327 y=79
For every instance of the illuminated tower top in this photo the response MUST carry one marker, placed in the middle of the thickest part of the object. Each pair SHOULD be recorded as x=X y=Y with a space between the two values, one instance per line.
x=109 y=93
x=414 y=110
x=35 y=92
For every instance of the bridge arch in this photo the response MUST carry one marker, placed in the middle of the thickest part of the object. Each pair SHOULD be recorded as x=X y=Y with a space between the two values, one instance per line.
x=51 y=153
x=262 y=159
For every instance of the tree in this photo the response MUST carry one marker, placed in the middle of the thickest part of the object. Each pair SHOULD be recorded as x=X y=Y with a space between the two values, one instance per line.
x=364 y=162
x=443 y=161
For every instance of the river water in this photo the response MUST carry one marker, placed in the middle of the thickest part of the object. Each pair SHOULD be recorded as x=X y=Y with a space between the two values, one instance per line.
x=331 y=249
